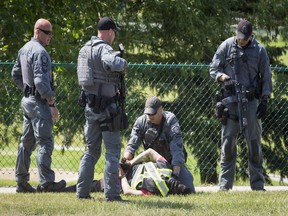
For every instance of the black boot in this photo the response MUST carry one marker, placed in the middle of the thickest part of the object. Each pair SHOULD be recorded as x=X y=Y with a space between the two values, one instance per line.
x=25 y=187
x=52 y=187
x=116 y=199
x=96 y=186
x=71 y=188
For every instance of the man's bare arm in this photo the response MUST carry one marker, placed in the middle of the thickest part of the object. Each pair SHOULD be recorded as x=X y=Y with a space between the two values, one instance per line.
x=147 y=155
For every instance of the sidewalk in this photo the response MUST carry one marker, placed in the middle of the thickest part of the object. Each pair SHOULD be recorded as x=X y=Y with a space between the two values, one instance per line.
x=199 y=189
x=72 y=176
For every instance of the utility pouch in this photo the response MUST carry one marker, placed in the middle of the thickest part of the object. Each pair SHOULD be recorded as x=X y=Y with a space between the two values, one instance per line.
x=219 y=96
x=91 y=100
x=120 y=121
x=117 y=122
x=250 y=95
x=185 y=154
x=224 y=116
x=124 y=121
x=219 y=109
x=107 y=124
x=222 y=112
x=97 y=103
x=82 y=100
x=84 y=66
x=258 y=90
x=150 y=136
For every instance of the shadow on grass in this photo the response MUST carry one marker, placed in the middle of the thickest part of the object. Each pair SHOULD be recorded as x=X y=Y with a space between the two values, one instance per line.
x=164 y=204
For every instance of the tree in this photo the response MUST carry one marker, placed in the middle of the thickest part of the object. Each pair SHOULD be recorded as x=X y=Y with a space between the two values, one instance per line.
x=153 y=31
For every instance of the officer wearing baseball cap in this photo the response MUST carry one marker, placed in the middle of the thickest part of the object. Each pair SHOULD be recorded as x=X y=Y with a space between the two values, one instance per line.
x=99 y=68
x=244 y=30
x=152 y=105
x=243 y=60
x=160 y=130
x=107 y=23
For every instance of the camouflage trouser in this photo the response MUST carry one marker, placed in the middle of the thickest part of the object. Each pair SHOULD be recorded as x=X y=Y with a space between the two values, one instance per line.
x=37 y=131
x=94 y=136
x=252 y=133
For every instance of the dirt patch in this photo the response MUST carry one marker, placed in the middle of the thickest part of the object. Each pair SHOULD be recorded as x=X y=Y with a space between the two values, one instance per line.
x=9 y=174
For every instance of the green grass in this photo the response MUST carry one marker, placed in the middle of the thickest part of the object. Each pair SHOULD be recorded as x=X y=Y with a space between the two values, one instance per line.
x=231 y=203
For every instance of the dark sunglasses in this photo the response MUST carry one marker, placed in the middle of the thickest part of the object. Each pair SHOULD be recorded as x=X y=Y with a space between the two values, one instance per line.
x=45 y=31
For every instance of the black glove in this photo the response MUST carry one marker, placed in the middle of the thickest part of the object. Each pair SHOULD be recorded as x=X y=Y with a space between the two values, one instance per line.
x=262 y=109
x=229 y=85
x=173 y=181
x=125 y=166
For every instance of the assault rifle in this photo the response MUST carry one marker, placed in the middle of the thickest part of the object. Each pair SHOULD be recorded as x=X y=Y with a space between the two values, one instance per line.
x=122 y=93
x=241 y=106
x=240 y=94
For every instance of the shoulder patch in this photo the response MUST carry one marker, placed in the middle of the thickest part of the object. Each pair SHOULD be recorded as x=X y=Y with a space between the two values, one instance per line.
x=44 y=63
x=44 y=60
x=176 y=129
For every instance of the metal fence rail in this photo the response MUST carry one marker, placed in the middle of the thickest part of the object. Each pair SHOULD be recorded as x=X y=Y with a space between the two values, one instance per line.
x=185 y=89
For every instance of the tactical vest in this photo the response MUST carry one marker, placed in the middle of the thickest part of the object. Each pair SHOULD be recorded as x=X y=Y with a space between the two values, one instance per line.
x=148 y=170
x=87 y=73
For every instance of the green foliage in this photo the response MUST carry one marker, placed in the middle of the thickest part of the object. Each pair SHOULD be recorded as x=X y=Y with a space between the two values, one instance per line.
x=153 y=31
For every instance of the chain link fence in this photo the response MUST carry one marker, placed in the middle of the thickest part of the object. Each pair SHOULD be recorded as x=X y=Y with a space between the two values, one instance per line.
x=185 y=89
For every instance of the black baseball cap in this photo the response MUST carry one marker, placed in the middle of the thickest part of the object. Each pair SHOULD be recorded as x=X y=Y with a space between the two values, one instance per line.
x=106 y=23
x=244 y=29
x=152 y=105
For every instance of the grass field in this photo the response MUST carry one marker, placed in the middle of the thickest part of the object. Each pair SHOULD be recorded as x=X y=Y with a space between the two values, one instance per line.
x=221 y=203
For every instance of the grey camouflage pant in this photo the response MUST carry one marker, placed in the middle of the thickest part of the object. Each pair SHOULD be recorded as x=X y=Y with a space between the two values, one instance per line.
x=229 y=149
x=37 y=131
x=112 y=142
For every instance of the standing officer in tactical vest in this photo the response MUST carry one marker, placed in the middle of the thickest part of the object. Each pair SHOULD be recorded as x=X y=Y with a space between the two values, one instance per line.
x=99 y=72
x=32 y=73
x=241 y=66
x=160 y=130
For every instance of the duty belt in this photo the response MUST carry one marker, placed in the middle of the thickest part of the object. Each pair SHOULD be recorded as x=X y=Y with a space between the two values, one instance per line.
x=228 y=97
x=100 y=103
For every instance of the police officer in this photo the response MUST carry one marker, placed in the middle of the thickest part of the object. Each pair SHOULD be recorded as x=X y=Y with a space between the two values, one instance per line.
x=243 y=60
x=101 y=110
x=160 y=130
x=32 y=73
